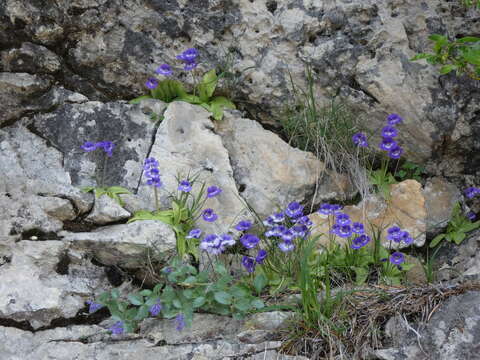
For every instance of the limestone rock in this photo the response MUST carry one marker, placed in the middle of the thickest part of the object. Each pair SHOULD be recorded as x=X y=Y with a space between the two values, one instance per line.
x=440 y=199
x=107 y=210
x=38 y=285
x=30 y=58
x=269 y=172
x=405 y=208
x=186 y=143
x=125 y=245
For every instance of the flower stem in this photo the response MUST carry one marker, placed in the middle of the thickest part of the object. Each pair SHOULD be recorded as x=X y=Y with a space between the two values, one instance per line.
x=104 y=171
x=155 y=190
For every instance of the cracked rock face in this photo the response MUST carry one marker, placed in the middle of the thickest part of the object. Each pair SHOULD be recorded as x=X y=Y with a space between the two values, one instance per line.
x=42 y=282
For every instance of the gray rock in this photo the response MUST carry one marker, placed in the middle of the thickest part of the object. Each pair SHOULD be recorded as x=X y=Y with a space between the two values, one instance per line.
x=30 y=58
x=187 y=144
x=125 y=125
x=271 y=173
x=452 y=333
x=39 y=285
x=440 y=199
x=125 y=245
x=19 y=92
x=32 y=174
x=107 y=210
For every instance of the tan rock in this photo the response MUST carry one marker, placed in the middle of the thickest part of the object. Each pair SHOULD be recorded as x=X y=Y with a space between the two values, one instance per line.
x=405 y=208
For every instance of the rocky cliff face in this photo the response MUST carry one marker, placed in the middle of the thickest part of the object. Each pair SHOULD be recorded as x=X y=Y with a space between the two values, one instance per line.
x=359 y=49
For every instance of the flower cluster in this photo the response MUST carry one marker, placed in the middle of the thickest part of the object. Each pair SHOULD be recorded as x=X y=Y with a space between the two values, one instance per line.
x=107 y=146
x=398 y=235
x=216 y=244
x=471 y=192
x=189 y=58
x=288 y=225
x=389 y=133
x=117 y=328
x=360 y=139
x=152 y=173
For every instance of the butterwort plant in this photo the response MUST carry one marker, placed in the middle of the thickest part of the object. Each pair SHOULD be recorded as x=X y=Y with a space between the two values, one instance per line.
x=112 y=191
x=164 y=87
x=186 y=209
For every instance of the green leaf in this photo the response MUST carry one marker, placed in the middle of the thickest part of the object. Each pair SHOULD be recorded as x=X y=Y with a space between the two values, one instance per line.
x=139 y=99
x=223 y=297
x=177 y=303
x=257 y=304
x=135 y=299
x=142 y=313
x=472 y=56
x=446 y=69
x=87 y=189
x=115 y=293
x=146 y=292
x=436 y=240
x=199 y=301
x=168 y=90
x=243 y=305
x=151 y=301
x=438 y=38
x=259 y=282
x=192 y=99
x=207 y=86
x=118 y=190
x=218 y=104
x=420 y=56
x=458 y=237
x=361 y=275
x=467 y=39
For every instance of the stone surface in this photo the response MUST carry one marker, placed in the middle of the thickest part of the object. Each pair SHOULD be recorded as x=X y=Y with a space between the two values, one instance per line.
x=405 y=208
x=451 y=334
x=30 y=58
x=269 y=172
x=26 y=196
x=125 y=245
x=125 y=125
x=40 y=282
x=19 y=92
x=107 y=210
x=440 y=199
x=186 y=143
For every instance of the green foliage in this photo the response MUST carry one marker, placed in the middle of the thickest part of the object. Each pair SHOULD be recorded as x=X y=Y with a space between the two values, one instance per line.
x=462 y=55
x=457 y=228
x=112 y=191
x=382 y=179
x=172 y=90
x=184 y=291
x=470 y=3
x=410 y=170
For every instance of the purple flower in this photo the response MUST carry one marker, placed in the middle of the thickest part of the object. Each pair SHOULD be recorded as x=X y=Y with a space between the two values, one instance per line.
x=397 y=258
x=269 y=222
x=249 y=263
x=286 y=246
x=179 y=322
x=394 y=119
x=342 y=219
x=394 y=234
x=389 y=131
x=209 y=215
x=335 y=209
x=155 y=308
x=249 y=240
x=107 y=146
x=151 y=83
x=165 y=70
x=304 y=220
x=261 y=256
x=387 y=144
x=395 y=152
x=188 y=55
x=212 y=244
x=299 y=230
x=360 y=139
x=406 y=238
x=93 y=306
x=226 y=240
x=189 y=65
x=471 y=192
x=89 y=146
x=194 y=234
x=358 y=228
x=243 y=225
x=344 y=231
x=117 y=328
x=277 y=230
x=288 y=235
x=471 y=216
x=360 y=241
x=213 y=191
x=278 y=217
x=151 y=172
x=294 y=210
x=185 y=186
x=325 y=209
